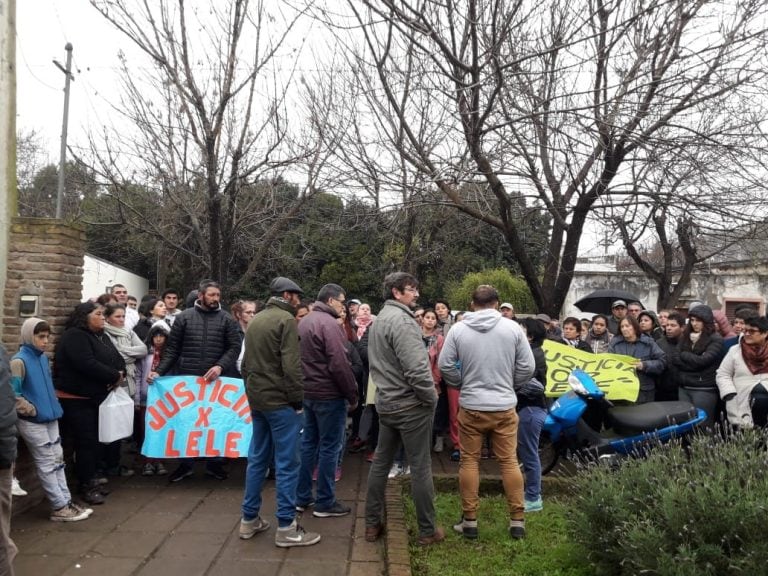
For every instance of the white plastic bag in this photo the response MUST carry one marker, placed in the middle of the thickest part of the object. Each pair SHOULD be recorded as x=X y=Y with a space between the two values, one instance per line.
x=116 y=416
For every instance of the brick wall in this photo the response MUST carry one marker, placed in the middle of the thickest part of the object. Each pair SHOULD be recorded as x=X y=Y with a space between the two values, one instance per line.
x=45 y=259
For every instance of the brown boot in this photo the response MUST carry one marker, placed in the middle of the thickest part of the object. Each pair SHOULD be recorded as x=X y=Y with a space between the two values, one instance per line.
x=437 y=536
x=372 y=533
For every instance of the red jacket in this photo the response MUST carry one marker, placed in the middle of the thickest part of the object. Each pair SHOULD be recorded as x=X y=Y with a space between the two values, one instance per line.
x=324 y=362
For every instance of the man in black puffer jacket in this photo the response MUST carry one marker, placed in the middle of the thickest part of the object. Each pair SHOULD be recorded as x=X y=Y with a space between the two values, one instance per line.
x=7 y=456
x=204 y=341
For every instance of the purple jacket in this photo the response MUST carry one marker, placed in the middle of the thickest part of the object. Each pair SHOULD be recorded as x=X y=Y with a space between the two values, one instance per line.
x=324 y=361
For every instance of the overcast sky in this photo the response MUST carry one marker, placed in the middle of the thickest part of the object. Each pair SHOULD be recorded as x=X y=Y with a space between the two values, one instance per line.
x=43 y=27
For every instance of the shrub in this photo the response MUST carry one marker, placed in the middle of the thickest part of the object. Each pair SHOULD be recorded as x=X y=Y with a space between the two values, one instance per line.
x=511 y=289
x=681 y=510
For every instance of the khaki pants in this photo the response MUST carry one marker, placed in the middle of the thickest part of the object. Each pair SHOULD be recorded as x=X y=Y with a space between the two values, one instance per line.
x=502 y=426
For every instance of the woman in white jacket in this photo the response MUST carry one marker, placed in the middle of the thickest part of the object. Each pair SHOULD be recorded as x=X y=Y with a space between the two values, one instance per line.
x=745 y=366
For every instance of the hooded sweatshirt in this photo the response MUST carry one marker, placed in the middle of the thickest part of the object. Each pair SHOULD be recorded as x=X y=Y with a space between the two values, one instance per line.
x=494 y=358
x=32 y=365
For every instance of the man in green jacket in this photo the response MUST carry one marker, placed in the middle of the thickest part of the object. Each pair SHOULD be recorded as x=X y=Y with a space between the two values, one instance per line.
x=273 y=382
x=405 y=401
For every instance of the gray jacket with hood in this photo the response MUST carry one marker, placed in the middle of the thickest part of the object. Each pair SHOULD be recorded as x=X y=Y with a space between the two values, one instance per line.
x=488 y=356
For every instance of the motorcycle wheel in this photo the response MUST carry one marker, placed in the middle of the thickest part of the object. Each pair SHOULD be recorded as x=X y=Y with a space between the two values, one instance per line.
x=548 y=454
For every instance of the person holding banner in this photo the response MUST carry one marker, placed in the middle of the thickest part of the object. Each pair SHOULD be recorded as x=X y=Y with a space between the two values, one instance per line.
x=598 y=338
x=205 y=341
x=495 y=359
x=273 y=381
x=651 y=359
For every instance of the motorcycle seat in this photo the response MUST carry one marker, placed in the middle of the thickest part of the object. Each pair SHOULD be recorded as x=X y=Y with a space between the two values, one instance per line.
x=639 y=418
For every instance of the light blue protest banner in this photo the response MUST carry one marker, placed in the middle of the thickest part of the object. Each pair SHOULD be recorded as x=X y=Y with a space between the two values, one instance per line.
x=190 y=417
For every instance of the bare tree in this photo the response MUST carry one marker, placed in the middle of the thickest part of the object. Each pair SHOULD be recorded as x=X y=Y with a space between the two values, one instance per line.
x=211 y=128
x=551 y=101
x=689 y=205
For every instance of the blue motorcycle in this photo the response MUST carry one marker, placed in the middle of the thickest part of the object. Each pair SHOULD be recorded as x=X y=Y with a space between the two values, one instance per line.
x=624 y=429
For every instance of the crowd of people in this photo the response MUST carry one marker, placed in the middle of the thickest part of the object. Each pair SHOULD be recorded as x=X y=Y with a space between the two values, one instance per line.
x=409 y=380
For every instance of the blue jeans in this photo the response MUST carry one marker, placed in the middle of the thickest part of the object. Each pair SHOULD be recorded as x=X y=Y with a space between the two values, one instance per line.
x=44 y=444
x=320 y=445
x=528 y=432
x=279 y=429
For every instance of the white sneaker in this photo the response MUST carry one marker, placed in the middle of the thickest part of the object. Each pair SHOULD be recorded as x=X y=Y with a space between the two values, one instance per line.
x=249 y=528
x=16 y=489
x=405 y=471
x=295 y=535
x=395 y=471
x=69 y=513
x=439 y=444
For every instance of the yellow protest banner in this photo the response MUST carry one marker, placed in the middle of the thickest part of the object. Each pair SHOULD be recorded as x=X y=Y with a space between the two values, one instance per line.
x=614 y=373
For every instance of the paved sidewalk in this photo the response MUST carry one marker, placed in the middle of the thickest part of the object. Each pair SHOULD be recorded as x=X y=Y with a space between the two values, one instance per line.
x=150 y=527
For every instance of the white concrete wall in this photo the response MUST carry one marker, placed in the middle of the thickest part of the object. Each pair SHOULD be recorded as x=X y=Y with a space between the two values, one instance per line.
x=99 y=276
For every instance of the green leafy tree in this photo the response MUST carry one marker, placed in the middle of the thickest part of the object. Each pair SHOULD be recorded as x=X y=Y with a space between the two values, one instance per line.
x=511 y=289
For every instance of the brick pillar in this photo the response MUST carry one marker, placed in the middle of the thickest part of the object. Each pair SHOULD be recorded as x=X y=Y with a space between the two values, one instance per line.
x=45 y=259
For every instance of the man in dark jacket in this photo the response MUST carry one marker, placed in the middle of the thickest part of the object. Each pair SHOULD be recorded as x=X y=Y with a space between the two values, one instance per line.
x=7 y=456
x=272 y=371
x=329 y=391
x=204 y=341
x=666 y=387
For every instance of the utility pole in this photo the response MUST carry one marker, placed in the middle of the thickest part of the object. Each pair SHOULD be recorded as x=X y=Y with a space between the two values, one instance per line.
x=63 y=157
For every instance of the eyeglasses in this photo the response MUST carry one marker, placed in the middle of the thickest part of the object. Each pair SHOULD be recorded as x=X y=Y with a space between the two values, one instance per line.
x=751 y=331
x=411 y=290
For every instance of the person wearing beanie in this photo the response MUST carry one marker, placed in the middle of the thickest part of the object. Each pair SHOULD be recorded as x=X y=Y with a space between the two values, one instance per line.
x=696 y=360
x=31 y=376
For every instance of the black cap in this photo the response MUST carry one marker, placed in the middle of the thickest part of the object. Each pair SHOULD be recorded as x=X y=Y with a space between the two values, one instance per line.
x=282 y=284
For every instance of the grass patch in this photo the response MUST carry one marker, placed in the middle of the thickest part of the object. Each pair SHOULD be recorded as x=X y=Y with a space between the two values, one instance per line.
x=546 y=549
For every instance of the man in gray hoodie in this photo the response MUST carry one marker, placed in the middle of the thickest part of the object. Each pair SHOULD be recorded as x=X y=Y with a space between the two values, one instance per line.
x=488 y=356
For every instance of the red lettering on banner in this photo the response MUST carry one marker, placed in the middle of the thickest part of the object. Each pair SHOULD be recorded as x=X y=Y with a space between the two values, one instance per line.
x=181 y=391
x=202 y=416
x=224 y=390
x=170 y=451
x=157 y=420
x=203 y=383
x=192 y=449
x=242 y=401
x=209 y=449
x=216 y=389
x=168 y=412
x=230 y=444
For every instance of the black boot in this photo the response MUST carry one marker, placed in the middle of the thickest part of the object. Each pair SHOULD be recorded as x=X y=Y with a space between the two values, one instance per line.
x=90 y=493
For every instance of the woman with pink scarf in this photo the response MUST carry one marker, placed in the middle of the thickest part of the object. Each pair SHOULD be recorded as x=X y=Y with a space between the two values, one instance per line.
x=363 y=319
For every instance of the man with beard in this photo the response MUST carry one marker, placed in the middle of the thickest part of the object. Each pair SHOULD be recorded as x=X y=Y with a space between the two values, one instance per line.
x=204 y=341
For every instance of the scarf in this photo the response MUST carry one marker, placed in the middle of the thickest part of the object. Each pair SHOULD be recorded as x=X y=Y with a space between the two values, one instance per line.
x=362 y=323
x=122 y=337
x=573 y=343
x=756 y=358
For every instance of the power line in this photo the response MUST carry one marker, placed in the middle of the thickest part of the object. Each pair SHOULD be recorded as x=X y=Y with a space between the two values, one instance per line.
x=19 y=44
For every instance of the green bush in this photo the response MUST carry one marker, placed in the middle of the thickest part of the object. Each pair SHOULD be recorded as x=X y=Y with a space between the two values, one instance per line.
x=681 y=510
x=511 y=289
